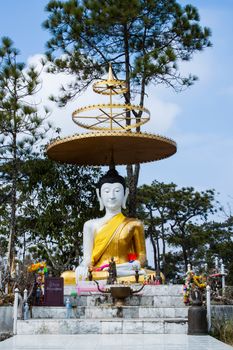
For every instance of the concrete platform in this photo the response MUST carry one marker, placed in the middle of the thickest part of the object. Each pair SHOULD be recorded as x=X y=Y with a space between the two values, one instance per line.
x=157 y=310
x=105 y=311
x=113 y=342
x=103 y=326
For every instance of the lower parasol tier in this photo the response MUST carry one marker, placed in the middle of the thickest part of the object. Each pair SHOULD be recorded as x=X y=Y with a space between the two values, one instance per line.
x=108 y=147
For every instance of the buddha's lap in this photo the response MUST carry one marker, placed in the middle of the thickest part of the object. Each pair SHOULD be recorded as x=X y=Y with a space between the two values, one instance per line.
x=102 y=275
x=122 y=271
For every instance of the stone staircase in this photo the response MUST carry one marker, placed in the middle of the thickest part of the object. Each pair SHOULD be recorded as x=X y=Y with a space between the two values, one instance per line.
x=157 y=309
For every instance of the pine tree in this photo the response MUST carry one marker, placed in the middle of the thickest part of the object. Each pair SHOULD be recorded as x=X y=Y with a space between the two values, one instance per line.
x=21 y=128
x=178 y=219
x=144 y=40
x=58 y=200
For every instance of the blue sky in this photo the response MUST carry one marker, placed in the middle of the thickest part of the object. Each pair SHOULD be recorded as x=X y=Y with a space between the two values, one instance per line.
x=198 y=119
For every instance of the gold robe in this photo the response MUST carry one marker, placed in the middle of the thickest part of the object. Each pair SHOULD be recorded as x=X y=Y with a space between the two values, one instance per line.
x=117 y=238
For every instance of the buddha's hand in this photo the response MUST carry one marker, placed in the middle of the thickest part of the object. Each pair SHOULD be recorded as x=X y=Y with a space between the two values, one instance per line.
x=129 y=266
x=90 y=267
x=81 y=273
x=136 y=265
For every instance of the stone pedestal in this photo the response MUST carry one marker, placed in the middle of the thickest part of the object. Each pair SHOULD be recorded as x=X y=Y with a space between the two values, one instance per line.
x=157 y=309
x=197 y=321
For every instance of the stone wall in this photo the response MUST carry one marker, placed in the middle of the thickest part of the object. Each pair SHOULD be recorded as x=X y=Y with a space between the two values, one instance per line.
x=6 y=319
x=222 y=312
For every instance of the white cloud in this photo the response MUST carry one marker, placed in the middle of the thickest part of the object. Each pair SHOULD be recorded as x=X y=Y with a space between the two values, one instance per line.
x=163 y=114
x=202 y=65
x=61 y=117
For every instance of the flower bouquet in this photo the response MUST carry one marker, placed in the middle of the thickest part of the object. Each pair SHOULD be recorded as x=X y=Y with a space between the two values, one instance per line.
x=193 y=282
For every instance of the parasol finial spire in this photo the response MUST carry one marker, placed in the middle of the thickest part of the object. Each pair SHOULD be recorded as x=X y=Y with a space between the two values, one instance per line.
x=110 y=73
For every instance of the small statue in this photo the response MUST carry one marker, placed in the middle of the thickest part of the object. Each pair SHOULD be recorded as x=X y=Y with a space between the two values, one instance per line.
x=136 y=276
x=158 y=279
x=112 y=278
x=90 y=277
x=38 y=295
x=25 y=311
x=68 y=308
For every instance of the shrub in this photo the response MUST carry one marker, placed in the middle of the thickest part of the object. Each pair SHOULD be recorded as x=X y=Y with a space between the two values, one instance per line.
x=223 y=330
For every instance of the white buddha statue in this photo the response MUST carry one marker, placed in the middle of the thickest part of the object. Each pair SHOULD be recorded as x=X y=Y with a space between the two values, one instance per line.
x=113 y=235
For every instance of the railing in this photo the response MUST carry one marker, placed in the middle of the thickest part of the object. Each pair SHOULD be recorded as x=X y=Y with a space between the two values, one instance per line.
x=15 y=311
x=20 y=308
x=208 y=307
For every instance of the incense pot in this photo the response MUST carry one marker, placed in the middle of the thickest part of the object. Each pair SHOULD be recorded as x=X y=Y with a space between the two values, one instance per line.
x=119 y=293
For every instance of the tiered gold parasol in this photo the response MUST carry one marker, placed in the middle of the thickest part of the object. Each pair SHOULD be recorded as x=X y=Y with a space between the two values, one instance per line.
x=112 y=139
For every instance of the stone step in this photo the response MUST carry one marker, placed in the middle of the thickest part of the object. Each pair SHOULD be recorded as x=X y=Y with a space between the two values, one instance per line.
x=103 y=326
x=134 y=312
x=135 y=300
x=106 y=312
x=148 y=290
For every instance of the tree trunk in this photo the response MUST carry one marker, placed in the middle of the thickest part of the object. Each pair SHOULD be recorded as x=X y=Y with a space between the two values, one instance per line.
x=185 y=257
x=132 y=174
x=163 y=247
x=12 y=235
x=154 y=248
x=158 y=253
x=132 y=171
x=24 y=246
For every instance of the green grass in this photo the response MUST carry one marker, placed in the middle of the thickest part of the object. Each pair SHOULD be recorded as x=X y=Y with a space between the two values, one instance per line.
x=223 y=330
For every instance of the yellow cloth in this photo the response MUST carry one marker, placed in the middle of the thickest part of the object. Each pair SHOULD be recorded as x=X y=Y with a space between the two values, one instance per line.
x=117 y=238
x=69 y=278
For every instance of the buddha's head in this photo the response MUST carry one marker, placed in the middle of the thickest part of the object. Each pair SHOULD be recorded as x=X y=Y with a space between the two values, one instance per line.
x=111 y=191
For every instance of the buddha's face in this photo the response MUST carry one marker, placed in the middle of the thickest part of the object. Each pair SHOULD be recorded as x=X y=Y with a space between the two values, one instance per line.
x=112 y=195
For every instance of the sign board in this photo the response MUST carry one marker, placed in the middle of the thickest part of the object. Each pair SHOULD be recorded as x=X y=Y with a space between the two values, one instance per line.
x=54 y=291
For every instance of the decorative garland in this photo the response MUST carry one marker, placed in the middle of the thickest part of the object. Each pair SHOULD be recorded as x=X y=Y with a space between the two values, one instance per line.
x=192 y=282
x=39 y=267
